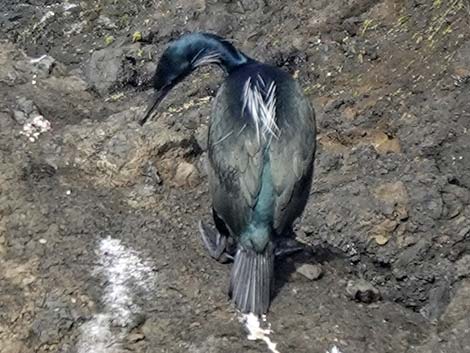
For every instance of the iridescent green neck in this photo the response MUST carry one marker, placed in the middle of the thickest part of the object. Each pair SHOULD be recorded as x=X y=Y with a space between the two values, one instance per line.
x=205 y=48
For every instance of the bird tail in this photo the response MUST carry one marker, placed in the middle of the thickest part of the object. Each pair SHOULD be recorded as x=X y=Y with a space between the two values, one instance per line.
x=252 y=280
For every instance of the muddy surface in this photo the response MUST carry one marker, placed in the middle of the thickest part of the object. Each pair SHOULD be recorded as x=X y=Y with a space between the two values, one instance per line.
x=99 y=247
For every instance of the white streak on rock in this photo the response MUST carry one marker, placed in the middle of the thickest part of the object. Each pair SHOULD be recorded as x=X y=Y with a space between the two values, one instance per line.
x=68 y=6
x=334 y=350
x=123 y=271
x=47 y=16
x=256 y=332
x=96 y=336
x=36 y=60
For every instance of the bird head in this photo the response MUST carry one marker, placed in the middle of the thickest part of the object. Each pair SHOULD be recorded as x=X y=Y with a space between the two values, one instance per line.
x=172 y=68
x=184 y=55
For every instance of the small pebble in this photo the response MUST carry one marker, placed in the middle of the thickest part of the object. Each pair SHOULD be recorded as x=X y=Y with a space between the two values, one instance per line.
x=381 y=239
x=362 y=291
x=42 y=241
x=186 y=175
x=135 y=337
x=312 y=272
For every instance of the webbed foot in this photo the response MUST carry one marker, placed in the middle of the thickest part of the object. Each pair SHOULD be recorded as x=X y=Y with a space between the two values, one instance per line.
x=287 y=246
x=215 y=243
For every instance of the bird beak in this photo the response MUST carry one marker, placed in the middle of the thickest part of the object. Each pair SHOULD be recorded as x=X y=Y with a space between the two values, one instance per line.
x=153 y=105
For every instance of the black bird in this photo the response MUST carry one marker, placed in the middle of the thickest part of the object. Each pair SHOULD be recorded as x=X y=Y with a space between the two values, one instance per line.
x=261 y=148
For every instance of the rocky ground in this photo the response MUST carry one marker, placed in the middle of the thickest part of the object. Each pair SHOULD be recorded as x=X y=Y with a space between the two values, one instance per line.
x=99 y=247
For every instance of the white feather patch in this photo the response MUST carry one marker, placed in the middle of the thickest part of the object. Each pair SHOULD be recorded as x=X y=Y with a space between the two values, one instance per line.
x=262 y=108
x=204 y=57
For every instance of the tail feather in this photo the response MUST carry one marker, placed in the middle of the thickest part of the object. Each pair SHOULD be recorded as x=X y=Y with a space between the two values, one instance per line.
x=252 y=280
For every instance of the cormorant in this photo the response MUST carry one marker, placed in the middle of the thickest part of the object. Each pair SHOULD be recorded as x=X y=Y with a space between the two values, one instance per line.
x=261 y=148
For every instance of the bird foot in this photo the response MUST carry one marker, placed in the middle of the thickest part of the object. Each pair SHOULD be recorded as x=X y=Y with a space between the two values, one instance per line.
x=288 y=246
x=215 y=243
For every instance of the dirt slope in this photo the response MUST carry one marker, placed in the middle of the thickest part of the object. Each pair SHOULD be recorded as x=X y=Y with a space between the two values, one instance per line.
x=99 y=247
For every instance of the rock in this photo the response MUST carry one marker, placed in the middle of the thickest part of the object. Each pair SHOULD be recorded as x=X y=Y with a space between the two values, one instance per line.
x=135 y=337
x=349 y=113
x=381 y=13
x=459 y=306
x=201 y=137
x=312 y=272
x=104 y=68
x=362 y=291
x=382 y=239
x=203 y=164
x=7 y=122
x=438 y=300
x=151 y=174
x=331 y=162
x=392 y=197
x=307 y=229
x=25 y=108
x=117 y=152
x=69 y=85
x=186 y=175
x=43 y=65
x=109 y=69
x=106 y=22
x=333 y=105
x=412 y=253
x=452 y=328
x=462 y=60
x=13 y=346
x=13 y=67
x=211 y=344
x=19 y=116
x=49 y=322
x=462 y=267
x=383 y=231
x=384 y=143
x=352 y=25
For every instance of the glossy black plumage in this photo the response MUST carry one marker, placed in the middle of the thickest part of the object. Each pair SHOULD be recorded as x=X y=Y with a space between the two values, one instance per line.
x=261 y=149
x=237 y=159
x=236 y=162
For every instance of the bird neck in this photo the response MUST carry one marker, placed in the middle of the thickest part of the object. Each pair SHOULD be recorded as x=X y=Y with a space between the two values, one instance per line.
x=204 y=49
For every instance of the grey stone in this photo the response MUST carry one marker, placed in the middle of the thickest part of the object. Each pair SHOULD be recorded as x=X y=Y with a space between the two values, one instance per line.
x=452 y=328
x=25 y=108
x=201 y=137
x=462 y=267
x=151 y=174
x=312 y=272
x=6 y=122
x=43 y=65
x=19 y=116
x=106 y=22
x=186 y=174
x=108 y=69
x=362 y=291
x=438 y=300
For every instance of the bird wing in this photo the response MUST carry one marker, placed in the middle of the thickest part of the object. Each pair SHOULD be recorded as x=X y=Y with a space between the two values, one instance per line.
x=235 y=163
x=291 y=156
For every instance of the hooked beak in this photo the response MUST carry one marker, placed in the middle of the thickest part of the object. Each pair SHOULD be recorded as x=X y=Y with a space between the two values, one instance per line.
x=153 y=105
